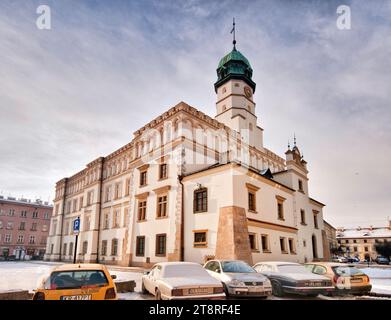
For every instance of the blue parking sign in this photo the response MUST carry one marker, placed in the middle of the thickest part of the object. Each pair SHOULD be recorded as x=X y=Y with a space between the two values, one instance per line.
x=76 y=225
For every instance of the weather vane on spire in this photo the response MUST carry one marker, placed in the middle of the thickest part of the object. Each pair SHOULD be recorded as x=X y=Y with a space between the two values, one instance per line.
x=233 y=31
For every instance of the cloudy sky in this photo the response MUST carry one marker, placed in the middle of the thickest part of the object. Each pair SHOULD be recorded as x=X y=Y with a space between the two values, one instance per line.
x=78 y=91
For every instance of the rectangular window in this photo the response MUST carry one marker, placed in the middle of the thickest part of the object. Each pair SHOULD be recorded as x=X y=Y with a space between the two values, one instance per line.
x=366 y=249
x=32 y=240
x=22 y=225
x=265 y=243
x=71 y=249
x=140 y=246
x=142 y=209
x=108 y=194
x=114 y=247
x=161 y=244
x=200 y=239
x=127 y=187
x=301 y=185
x=116 y=218
x=253 y=241
x=106 y=221
x=161 y=207
x=200 y=200
x=85 y=247
x=283 y=245
x=126 y=217
x=74 y=205
x=81 y=203
x=280 y=209
x=23 y=214
x=292 y=248
x=20 y=239
x=251 y=201
x=163 y=171
x=34 y=227
x=117 y=191
x=64 y=249
x=90 y=197
x=35 y=215
x=7 y=238
x=56 y=211
x=302 y=217
x=87 y=223
x=10 y=225
x=11 y=212
x=143 y=178
x=104 y=248
x=316 y=219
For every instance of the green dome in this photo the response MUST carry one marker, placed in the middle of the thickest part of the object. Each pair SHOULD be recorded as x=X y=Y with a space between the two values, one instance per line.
x=234 y=65
x=234 y=55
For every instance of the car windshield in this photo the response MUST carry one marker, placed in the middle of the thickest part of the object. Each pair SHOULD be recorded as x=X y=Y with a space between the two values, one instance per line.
x=76 y=279
x=347 y=271
x=236 y=267
x=175 y=271
x=292 y=268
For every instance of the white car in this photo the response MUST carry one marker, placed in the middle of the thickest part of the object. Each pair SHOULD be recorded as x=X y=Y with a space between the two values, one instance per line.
x=239 y=279
x=181 y=280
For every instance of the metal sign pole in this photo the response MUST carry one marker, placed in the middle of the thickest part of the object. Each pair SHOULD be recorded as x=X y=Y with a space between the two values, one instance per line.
x=74 y=256
x=76 y=229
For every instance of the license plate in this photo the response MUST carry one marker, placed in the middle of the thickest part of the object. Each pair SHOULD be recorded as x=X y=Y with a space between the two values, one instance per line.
x=77 y=297
x=255 y=289
x=200 y=291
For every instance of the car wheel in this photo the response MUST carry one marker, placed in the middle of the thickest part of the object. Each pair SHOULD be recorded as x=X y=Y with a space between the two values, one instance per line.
x=277 y=289
x=143 y=289
x=158 y=295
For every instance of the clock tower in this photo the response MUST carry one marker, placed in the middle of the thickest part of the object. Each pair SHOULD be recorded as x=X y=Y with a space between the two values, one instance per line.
x=235 y=104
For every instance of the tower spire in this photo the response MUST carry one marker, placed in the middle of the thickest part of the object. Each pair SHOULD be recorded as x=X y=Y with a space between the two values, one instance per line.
x=233 y=31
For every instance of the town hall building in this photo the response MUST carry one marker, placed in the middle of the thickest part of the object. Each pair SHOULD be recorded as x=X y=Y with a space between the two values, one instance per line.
x=192 y=187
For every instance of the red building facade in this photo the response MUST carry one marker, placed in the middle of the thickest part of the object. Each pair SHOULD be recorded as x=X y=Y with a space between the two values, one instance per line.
x=24 y=228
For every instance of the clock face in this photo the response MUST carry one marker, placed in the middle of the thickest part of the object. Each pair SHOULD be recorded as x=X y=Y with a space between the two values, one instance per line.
x=248 y=92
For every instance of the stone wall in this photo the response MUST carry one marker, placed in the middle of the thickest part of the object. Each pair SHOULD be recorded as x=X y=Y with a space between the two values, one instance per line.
x=232 y=236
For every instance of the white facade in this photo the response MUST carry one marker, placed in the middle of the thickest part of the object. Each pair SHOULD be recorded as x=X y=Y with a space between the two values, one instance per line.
x=137 y=205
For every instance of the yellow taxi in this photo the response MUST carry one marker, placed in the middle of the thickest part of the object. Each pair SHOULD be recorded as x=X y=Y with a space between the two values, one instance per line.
x=346 y=278
x=77 y=282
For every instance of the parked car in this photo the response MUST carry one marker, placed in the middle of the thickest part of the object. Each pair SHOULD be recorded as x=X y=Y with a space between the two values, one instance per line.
x=353 y=260
x=382 y=260
x=339 y=259
x=239 y=279
x=345 y=278
x=77 y=282
x=293 y=278
x=181 y=280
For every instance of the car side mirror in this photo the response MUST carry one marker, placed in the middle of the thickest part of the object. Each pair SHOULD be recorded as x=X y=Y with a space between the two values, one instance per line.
x=113 y=276
x=218 y=270
x=146 y=273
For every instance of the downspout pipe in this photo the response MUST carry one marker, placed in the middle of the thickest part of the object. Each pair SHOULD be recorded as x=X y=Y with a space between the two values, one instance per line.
x=99 y=209
x=63 y=218
x=182 y=254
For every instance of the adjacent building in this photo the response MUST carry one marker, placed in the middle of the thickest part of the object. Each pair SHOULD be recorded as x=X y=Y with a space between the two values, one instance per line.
x=24 y=228
x=192 y=187
x=361 y=241
x=330 y=244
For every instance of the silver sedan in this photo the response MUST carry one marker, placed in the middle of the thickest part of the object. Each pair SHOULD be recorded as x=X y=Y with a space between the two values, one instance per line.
x=239 y=279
